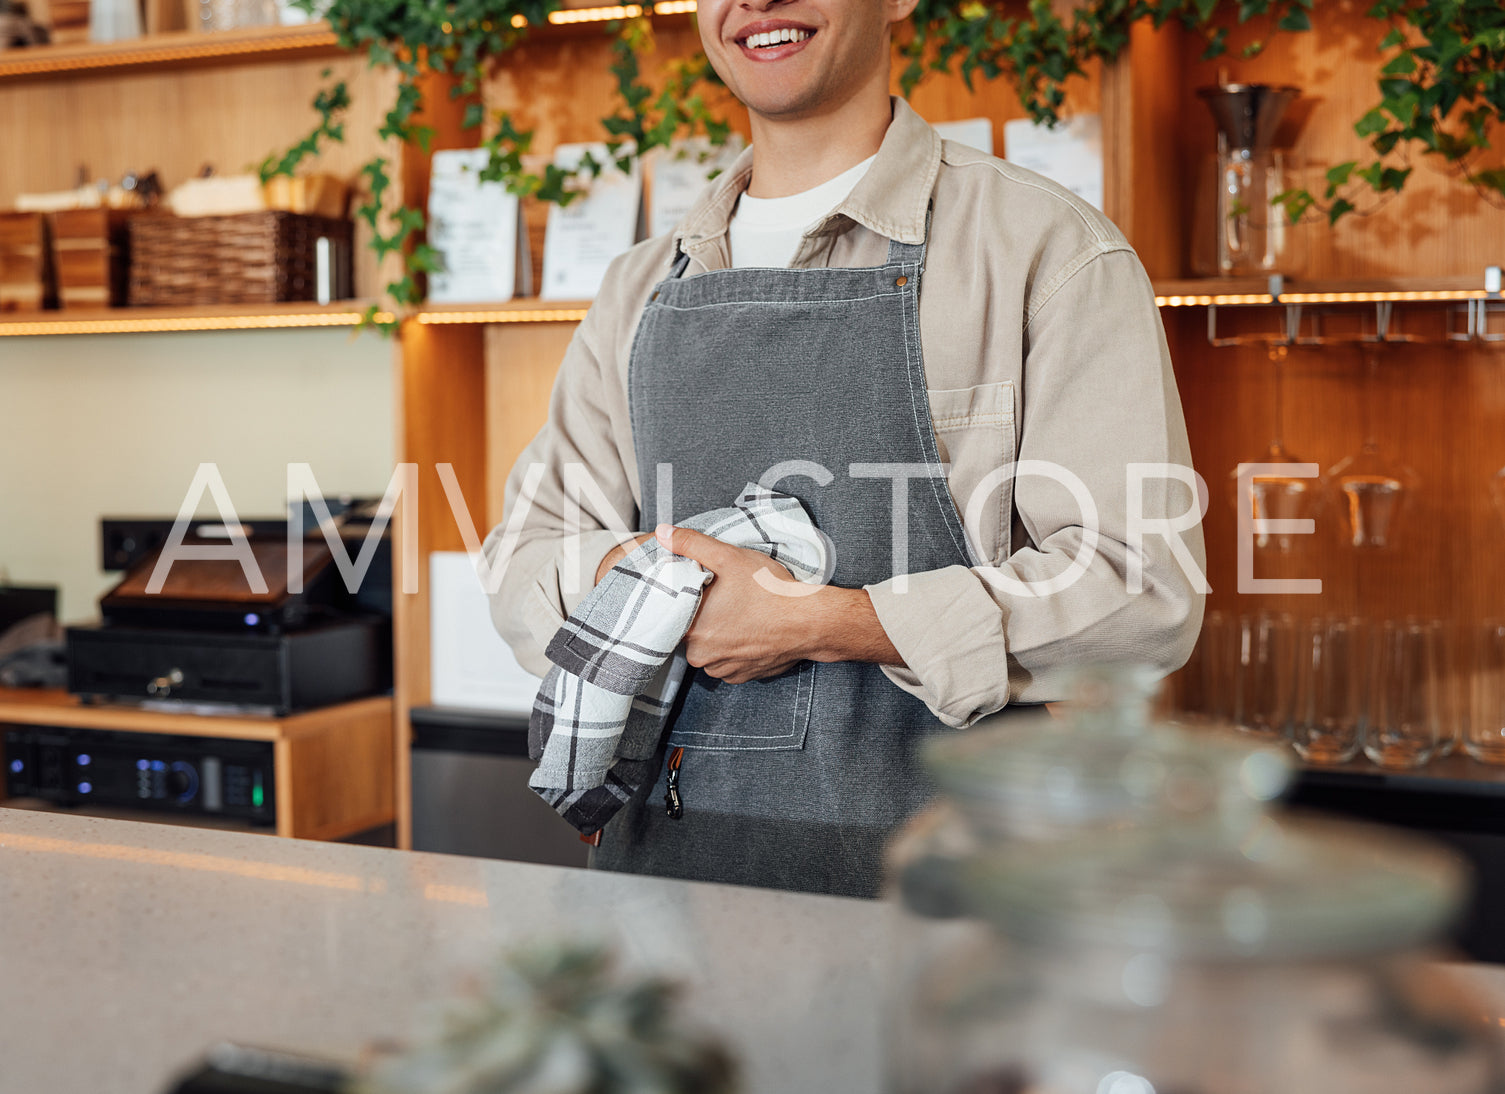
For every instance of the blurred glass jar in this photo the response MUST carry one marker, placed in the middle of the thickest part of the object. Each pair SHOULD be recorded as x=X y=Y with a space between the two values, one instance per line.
x=1101 y=905
x=1036 y=780
x=1283 y=957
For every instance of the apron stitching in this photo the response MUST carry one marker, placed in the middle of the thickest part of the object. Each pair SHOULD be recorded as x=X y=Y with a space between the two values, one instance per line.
x=922 y=426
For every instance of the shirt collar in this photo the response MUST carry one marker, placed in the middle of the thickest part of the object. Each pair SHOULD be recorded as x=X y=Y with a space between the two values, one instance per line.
x=890 y=199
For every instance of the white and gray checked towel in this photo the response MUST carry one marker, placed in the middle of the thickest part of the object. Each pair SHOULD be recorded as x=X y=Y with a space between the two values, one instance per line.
x=618 y=661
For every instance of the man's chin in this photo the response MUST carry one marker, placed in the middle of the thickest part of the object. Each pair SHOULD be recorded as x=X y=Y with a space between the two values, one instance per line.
x=784 y=105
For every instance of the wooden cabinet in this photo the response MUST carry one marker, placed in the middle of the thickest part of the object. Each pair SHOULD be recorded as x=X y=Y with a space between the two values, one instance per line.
x=333 y=767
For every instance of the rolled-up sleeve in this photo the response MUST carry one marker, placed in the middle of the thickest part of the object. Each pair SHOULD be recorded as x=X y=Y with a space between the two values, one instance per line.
x=576 y=464
x=1099 y=396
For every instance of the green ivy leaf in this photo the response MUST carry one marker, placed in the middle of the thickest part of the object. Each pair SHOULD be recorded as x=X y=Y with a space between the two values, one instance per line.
x=1295 y=20
x=1340 y=209
x=1403 y=65
x=1294 y=202
x=1371 y=123
x=1338 y=176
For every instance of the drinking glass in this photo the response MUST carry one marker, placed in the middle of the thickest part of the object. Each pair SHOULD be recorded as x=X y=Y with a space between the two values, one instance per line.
x=1455 y=670
x=1372 y=486
x=1403 y=725
x=1276 y=494
x=1216 y=664
x=1331 y=679
x=1263 y=672
x=1484 y=737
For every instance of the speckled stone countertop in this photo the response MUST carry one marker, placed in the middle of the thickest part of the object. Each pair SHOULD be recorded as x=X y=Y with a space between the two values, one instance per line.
x=127 y=949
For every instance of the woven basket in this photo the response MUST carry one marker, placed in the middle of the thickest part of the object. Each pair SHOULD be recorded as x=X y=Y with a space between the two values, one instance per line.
x=250 y=258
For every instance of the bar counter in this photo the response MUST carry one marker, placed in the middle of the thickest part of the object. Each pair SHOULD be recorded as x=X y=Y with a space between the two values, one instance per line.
x=128 y=949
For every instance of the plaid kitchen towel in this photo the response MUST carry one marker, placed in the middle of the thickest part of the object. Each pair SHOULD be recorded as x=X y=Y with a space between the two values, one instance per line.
x=618 y=661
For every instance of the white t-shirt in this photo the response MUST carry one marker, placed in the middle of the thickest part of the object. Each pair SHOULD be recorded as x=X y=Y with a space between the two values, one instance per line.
x=765 y=232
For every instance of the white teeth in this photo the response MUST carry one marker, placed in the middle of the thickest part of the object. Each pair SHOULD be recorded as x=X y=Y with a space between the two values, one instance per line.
x=776 y=37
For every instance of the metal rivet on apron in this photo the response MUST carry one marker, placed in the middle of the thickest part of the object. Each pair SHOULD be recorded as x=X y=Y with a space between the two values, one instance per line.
x=901 y=282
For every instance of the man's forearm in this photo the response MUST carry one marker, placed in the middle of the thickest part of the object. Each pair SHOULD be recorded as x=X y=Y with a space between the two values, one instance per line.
x=844 y=627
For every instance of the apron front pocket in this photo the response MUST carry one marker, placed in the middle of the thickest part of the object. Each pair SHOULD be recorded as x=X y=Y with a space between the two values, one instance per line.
x=758 y=716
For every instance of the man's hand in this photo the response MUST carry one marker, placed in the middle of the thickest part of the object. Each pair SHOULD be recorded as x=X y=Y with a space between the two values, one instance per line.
x=756 y=620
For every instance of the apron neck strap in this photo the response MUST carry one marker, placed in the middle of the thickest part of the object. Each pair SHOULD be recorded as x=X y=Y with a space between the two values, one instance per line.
x=911 y=252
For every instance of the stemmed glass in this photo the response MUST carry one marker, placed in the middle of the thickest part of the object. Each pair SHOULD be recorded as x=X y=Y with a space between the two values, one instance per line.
x=1274 y=495
x=1371 y=488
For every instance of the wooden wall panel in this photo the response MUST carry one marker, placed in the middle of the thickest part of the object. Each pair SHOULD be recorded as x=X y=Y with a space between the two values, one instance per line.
x=521 y=362
x=1144 y=189
x=231 y=116
x=1438 y=409
x=442 y=420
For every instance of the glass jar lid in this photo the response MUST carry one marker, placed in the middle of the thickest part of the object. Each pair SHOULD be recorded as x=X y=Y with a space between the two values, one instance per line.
x=1041 y=777
x=1279 y=888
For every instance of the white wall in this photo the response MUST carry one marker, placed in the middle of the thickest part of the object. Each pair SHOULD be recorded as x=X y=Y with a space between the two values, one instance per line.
x=96 y=425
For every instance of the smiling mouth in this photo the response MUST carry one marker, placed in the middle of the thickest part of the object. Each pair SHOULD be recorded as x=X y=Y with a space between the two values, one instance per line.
x=769 y=39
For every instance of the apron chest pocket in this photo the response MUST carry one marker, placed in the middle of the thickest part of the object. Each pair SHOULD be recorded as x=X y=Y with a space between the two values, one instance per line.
x=758 y=716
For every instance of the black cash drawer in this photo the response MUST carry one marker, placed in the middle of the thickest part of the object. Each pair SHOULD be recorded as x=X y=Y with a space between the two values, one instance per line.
x=274 y=673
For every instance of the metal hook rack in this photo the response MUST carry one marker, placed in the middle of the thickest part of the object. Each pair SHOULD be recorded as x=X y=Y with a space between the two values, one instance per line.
x=1309 y=310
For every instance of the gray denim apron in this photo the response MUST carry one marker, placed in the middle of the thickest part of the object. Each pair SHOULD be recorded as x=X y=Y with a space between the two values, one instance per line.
x=793 y=782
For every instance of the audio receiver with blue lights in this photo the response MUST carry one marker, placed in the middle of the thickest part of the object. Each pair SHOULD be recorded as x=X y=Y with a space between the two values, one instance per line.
x=151 y=771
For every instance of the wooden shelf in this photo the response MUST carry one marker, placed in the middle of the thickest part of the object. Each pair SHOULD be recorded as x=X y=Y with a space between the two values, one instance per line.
x=1254 y=290
x=345 y=313
x=49 y=707
x=334 y=767
x=176 y=49
x=522 y=310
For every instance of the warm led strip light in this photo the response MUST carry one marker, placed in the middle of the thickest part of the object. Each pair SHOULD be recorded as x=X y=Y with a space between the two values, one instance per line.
x=190 y=50
x=1321 y=298
x=674 y=7
x=559 y=315
x=595 y=15
x=150 y=324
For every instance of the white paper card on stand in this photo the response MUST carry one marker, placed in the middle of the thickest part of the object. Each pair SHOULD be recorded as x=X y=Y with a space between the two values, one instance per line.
x=469 y=664
x=681 y=173
x=584 y=236
x=973 y=132
x=1070 y=154
x=474 y=226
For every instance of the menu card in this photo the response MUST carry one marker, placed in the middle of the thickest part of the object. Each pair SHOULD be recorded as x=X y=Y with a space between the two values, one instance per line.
x=1070 y=154
x=681 y=173
x=973 y=132
x=584 y=236
x=475 y=227
x=470 y=665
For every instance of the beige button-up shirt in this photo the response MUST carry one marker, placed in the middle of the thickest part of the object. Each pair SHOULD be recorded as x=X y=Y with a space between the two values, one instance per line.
x=1041 y=342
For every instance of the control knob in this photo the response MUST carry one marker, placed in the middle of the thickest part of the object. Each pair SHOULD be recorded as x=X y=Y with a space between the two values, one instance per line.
x=162 y=686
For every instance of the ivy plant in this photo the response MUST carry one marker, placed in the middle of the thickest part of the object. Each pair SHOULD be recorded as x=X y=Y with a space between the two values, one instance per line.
x=1442 y=93
x=1441 y=79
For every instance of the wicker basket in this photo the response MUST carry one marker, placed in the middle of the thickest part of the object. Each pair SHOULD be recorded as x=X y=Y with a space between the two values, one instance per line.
x=250 y=258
